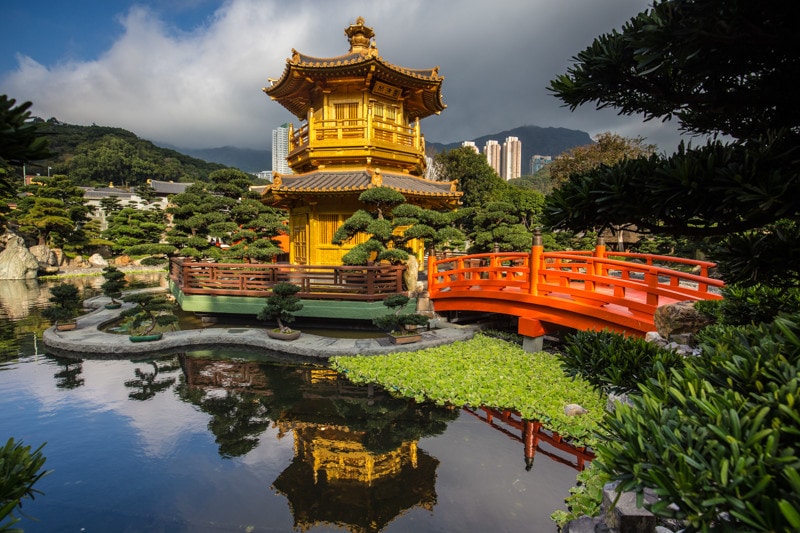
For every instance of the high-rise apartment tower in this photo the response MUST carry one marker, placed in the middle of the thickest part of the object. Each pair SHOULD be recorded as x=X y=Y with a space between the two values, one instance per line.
x=512 y=158
x=493 y=153
x=280 y=149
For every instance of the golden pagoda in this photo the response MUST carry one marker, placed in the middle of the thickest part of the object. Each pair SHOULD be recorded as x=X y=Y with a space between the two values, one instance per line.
x=359 y=129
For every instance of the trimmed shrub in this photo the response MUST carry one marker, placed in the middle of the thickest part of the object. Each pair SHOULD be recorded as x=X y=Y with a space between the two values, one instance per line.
x=750 y=305
x=612 y=362
x=717 y=439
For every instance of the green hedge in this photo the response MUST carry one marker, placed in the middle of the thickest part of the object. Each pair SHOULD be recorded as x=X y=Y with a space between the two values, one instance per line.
x=719 y=437
x=612 y=362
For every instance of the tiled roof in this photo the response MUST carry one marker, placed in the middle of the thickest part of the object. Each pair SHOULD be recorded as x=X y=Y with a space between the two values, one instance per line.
x=169 y=187
x=92 y=193
x=358 y=181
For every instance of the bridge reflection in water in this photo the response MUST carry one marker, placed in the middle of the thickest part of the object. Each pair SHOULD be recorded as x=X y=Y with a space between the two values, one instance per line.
x=534 y=435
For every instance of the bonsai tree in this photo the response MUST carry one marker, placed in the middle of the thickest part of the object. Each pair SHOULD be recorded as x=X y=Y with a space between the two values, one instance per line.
x=115 y=282
x=65 y=303
x=151 y=310
x=281 y=305
x=397 y=321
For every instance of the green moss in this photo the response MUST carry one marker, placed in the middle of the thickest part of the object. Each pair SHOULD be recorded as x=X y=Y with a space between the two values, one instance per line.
x=485 y=372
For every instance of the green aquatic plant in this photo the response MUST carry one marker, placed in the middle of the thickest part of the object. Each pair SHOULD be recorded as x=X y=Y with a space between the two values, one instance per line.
x=486 y=372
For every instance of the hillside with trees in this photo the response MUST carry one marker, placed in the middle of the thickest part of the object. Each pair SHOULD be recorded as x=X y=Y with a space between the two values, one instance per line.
x=99 y=155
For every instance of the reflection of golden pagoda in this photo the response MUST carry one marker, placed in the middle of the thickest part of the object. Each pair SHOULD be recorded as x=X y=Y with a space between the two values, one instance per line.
x=356 y=462
x=361 y=130
x=335 y=479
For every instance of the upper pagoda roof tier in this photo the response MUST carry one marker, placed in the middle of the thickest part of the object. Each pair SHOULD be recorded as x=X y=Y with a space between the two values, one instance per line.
x=420 y=88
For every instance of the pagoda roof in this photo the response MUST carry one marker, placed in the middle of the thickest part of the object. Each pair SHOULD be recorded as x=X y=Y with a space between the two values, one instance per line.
x=303 y=73
x=357 y=181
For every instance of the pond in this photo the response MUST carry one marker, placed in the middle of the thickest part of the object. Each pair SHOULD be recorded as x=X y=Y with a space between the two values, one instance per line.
x=231 y=440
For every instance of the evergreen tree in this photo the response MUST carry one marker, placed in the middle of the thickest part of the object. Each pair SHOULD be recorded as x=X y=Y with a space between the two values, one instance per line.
x=721 y=68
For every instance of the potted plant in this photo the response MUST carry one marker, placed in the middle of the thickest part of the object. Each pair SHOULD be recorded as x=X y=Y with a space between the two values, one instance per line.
x=281 y=306
x=64 y=307
x=151 y=310
x=402 y=327
x=112 y=287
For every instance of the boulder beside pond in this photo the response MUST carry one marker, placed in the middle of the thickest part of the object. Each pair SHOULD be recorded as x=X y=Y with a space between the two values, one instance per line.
x=679 y=318
x=16 y=261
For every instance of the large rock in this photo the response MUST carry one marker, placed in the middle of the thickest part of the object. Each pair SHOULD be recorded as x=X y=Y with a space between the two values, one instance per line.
x=679 y=318
x=48 y=260
x=412 y=273
x=97 y=260
x=16 y=261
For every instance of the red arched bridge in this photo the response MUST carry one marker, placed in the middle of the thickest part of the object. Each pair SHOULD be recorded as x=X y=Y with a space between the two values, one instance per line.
x=584 y=290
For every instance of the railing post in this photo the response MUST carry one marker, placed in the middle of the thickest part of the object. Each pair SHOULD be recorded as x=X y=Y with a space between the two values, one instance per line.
x=536 y=258
x=599 y=253
x=310 y=125
x=370 y=278
x=431 y=266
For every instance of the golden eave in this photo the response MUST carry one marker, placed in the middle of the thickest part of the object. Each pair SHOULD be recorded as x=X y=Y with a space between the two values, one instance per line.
x=303 y=73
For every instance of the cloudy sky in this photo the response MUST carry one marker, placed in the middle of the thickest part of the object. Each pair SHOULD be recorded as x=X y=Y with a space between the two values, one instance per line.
x=190 y=72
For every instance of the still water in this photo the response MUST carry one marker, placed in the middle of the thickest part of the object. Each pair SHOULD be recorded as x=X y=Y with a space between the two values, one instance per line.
x=229 y=440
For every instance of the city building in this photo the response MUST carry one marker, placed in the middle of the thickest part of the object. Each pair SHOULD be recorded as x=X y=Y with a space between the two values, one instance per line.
x=493 y=152
x=280 y=149
x=512 y=158
x=538 y=162
x=471 y=145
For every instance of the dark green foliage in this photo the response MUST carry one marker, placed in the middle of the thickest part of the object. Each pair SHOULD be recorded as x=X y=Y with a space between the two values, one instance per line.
x=612 y=362
x=396 y=321
x=281 y=305
x=476 y=179
x=128 y=227
x=64 y=303
x=114 y=282
x=151 y=249
x=380 y=200
x=151 y=310
x=584 y=498
x=767 y=255
x=53 y=212
x=224 y=210
x=719 y=68
x=20 y=469
x=718 y=437
x=743 y=305
x=21 y=140
x=154 y=261
x=568 y=240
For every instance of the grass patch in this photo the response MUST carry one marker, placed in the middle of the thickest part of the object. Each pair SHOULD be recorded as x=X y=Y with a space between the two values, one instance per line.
x=486 y=372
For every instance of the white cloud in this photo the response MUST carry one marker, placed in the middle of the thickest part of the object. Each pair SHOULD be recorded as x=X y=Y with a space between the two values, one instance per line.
x=203 y=88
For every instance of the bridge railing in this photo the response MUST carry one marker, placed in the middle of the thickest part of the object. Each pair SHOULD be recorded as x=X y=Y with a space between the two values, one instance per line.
x=639 y=282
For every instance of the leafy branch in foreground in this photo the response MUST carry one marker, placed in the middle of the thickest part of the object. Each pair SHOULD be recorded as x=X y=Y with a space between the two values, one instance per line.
x=20 y=469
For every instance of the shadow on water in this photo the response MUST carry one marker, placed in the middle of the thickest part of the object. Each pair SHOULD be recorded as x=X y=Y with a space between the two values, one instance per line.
x=230 y=440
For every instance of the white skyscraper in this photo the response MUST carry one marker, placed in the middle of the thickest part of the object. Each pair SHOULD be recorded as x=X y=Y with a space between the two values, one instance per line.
x=280 y=149
x=493 y=153
x=512 y=158
x=471 y=145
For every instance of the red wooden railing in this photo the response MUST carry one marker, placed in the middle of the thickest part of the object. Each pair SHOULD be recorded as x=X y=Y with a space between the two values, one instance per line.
x=320 y=282
x=583 y=290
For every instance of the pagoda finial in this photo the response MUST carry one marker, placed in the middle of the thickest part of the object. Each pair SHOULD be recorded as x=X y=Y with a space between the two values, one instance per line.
x=360 y=36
